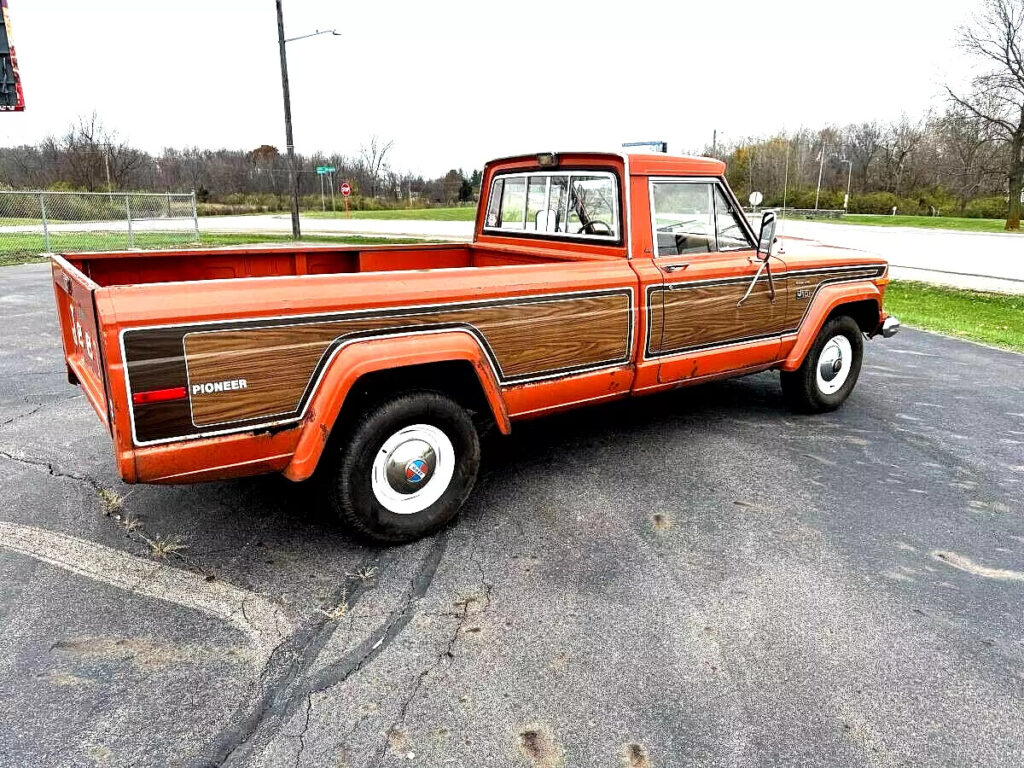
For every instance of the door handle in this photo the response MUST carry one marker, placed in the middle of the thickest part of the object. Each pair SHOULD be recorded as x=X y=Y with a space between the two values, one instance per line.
x=675 y=267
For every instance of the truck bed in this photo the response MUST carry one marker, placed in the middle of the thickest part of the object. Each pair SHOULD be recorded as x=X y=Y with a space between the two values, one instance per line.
x=141 y=267
x=137 y=326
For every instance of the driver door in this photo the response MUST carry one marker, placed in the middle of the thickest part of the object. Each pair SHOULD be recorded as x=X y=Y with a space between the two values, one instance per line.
x=705 y=251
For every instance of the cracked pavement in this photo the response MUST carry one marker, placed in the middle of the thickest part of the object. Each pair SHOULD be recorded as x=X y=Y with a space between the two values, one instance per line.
x=698 y=578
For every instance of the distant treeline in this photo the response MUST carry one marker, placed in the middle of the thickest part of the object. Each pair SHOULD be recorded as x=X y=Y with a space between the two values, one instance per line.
x=88 y=157
x=951 y=165
x=948 y=165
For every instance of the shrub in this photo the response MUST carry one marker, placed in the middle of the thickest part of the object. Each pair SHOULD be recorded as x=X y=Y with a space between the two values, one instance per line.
x=874 y=202
x=987 y=208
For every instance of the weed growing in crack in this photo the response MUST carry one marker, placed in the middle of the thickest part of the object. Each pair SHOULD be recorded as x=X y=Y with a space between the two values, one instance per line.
x=161 y=548
x=364 y=574
x=131 y=523
x=110 y=500
x=338 y=611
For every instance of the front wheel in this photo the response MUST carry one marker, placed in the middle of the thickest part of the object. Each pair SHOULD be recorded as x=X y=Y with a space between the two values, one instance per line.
x=830 y=370
x=405 y=469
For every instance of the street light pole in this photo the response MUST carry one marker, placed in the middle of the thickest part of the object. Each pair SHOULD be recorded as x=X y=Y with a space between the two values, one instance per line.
x=821 y=167
x=293 y=180
x=849 y=179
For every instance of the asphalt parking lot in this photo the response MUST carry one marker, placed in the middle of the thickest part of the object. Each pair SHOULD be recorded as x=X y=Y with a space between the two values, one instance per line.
x=699 y=578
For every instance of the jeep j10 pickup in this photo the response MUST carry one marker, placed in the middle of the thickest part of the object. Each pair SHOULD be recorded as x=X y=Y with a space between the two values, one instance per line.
x=590 y=277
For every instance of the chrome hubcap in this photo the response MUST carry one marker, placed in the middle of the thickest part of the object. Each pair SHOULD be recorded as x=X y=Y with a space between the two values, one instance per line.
x=412 y=469
x=410 y=466
x=834 y=364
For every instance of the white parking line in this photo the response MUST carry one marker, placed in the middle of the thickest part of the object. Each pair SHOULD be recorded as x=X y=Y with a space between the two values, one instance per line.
x=968 y=565
x=258 y=618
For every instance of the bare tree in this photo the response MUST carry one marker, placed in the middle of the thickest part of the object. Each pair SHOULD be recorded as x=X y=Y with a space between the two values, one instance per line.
x=862 y=146
x=996 y=96
x=373 y=159
x=897 y=142
x=965 y=150
x=89 y=157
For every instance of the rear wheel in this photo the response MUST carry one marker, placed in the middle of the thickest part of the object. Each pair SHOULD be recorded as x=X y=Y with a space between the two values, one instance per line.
x=405 y=469
x=830 y=370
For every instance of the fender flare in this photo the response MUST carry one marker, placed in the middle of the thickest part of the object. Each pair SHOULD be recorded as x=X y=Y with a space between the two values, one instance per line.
x=363 y=356
x=824 y=303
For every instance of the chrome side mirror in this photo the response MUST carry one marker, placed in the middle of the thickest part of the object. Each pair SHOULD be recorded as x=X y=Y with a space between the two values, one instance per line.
x=767 y=236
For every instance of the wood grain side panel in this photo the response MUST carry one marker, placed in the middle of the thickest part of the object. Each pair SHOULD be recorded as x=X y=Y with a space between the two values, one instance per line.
x=278 y=363
x=706 y=315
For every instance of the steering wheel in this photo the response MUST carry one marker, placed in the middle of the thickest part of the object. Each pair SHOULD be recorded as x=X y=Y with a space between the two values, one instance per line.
x=593 y=223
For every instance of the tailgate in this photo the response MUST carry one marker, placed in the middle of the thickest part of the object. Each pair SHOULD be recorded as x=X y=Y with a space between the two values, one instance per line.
x=79 y=330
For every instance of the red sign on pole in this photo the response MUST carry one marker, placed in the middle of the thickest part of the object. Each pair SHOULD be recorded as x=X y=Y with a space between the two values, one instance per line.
x=346 y=188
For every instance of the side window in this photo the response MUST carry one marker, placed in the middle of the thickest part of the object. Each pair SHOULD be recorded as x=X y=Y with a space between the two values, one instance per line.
x=732 y=235
x=494 y=203
x=684 y=220
x=513 y=204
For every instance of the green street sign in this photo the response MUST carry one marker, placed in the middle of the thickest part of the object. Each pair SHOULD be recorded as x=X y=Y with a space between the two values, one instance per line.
x=322 y=169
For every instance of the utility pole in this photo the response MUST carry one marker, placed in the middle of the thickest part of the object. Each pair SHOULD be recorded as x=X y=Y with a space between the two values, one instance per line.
x=293 y=179
x=714 y=143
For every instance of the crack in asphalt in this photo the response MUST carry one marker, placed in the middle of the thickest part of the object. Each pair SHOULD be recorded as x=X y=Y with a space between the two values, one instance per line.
x=305 y=727
x=446 y=656
x=289 y=663
x=376 y=644
x=50 y=467
x=18 y=417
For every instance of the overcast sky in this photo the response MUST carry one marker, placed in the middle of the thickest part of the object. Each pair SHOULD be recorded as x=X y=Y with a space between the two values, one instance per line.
x=455 y=83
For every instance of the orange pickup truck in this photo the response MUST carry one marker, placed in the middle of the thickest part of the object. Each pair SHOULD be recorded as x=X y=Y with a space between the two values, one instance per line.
x=590 y=277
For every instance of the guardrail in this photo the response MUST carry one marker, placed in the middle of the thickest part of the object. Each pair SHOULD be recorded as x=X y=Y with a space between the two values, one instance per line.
x=798 y=213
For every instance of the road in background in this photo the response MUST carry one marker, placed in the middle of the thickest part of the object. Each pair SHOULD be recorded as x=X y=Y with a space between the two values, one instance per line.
x=984 y=261
x=975 y=260
x=698 y=578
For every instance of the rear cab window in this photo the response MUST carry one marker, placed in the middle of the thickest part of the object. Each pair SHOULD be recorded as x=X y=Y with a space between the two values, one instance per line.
x=578 y=204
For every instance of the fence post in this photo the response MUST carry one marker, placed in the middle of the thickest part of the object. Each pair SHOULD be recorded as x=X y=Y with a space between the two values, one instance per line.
x=128 y=211
x=46 y=228
x=168 y=205
x=195 y=216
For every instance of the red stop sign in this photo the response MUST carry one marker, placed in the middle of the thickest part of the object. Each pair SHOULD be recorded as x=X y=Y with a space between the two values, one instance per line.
x=346 y=188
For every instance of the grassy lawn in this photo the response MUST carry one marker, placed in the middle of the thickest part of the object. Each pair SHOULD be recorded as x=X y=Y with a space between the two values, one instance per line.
x=922 y=222
x=992 y=318
x=20 y=249
x=418 y=214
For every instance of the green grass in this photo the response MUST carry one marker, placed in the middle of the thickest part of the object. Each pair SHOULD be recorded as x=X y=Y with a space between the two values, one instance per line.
x=24 y=248
x=418 y=214
x=991 y=318
x=922 y=222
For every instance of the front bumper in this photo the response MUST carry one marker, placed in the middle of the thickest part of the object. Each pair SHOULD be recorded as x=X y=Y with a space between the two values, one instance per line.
x=890 y=327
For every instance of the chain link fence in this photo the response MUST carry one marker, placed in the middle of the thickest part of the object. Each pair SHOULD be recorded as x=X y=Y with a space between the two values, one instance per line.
x=64 y=222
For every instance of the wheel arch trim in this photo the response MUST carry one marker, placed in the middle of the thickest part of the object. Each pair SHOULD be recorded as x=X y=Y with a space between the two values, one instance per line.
x=828 y=299
x=365 y=356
